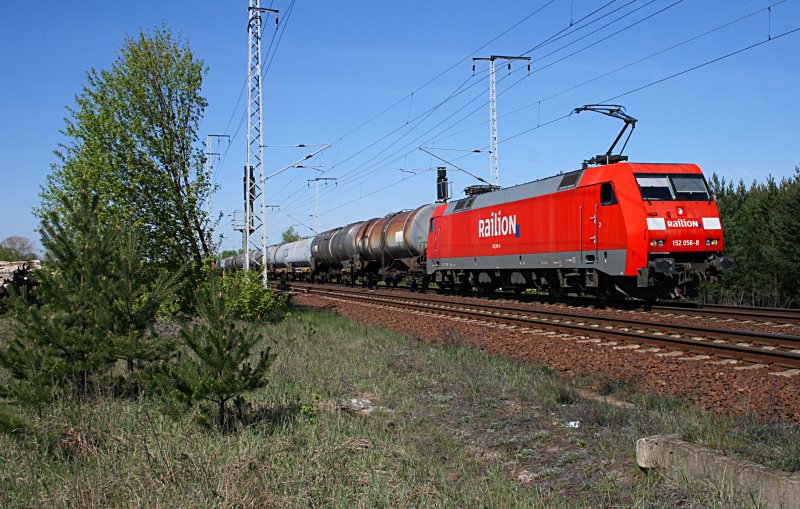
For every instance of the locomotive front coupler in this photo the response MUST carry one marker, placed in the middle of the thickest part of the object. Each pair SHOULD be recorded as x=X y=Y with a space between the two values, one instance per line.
x=662 y=265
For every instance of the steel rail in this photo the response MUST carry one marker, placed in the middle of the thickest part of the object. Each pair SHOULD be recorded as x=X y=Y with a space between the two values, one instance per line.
x=737 y=312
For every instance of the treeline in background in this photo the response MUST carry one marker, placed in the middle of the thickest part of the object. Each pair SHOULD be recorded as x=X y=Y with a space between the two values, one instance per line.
x=762 y=234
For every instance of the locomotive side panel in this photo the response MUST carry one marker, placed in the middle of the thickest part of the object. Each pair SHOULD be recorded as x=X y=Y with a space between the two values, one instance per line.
x=562 y=229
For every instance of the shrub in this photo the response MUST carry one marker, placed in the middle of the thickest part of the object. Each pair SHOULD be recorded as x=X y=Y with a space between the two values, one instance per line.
x=251 y=301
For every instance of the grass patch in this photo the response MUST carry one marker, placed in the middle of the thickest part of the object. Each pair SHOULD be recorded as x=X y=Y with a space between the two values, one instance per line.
x=464 y=430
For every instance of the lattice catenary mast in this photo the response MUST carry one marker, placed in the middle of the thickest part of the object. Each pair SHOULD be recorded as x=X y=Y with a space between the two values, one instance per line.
x=494 y=170
x=255 y=232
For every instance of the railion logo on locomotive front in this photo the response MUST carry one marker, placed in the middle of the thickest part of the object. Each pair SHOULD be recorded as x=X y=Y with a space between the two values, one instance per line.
x=498 y=225
x=683 y=223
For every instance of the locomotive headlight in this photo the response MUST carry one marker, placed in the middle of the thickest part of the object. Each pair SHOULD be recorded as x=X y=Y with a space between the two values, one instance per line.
x=660 y=243
x=656 y=243
x=680 y=211
x=712 y=242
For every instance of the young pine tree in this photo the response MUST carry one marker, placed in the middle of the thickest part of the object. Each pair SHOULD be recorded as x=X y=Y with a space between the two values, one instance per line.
x=135 y=294
x=66 y=341
x=98 y=302
x=222 y=363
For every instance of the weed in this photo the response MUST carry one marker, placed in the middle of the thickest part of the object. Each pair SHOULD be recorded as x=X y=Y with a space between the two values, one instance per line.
x=568 y=457
x=577 y=441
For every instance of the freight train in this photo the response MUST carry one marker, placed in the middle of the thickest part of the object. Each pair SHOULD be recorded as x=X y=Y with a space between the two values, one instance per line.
x=642 y=230
x=612 y=228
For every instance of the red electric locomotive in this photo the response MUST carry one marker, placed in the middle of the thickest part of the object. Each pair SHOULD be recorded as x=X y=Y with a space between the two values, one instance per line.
x=615 y=228
x=643 y=230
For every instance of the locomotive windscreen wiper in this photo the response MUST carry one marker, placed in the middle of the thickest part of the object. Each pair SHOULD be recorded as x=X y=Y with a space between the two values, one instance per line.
x=616 y=111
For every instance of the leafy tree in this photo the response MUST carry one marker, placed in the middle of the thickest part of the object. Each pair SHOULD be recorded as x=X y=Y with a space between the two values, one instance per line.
x=230 y=252
x=17 y=248
x=251 y=301
x=133 y=137
x=290 y=235
x=225 y=361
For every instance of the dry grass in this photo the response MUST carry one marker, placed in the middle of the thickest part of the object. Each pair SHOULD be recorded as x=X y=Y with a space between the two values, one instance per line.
x=466 y=430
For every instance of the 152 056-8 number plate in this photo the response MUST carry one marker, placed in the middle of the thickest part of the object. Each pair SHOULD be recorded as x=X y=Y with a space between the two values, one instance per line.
x=685 y=242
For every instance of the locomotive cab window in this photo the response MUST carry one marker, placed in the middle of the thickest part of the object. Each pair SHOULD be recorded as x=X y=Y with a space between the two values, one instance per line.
x=682 y=187
x=432 y=227
x=607 y=196
x=655 y=187
x=690 y=187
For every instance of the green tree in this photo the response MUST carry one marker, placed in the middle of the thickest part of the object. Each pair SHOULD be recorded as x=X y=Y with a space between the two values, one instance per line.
x=762 y=235
x=133 y=137
x=134 y=296
x=290 y=235
x=227 y=358
x=17 y=248
x=97 y=301
x=251 y=301
x=67 y=339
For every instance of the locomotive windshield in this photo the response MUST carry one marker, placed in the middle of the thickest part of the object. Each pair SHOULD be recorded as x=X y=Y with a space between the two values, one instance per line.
x=681 y=187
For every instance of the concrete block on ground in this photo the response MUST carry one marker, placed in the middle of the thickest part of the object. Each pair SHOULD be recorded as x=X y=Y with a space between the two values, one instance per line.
x=750 y=481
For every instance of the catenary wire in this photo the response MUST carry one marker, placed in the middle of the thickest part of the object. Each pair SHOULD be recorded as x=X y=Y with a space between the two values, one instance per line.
x=361 y=174
x=637 y=89
x=620 y=68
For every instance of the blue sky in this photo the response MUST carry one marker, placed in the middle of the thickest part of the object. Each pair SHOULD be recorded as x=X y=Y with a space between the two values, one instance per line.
x=340 y=63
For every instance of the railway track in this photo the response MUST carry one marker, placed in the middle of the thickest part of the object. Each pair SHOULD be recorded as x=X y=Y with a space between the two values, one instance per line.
x=751 y=346
x=764 y=315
